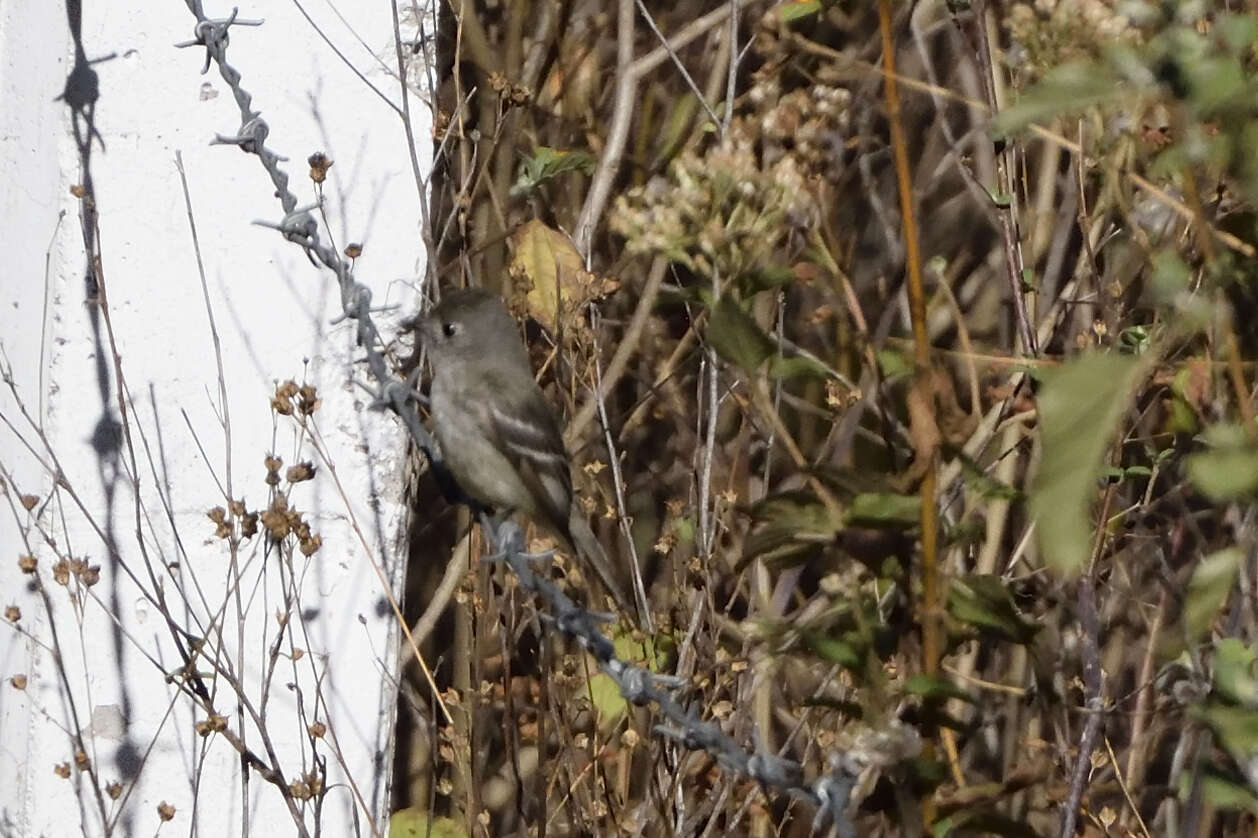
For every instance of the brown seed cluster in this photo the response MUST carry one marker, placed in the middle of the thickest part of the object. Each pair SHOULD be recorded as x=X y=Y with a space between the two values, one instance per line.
x=225 y=520
x=291 y=397
x=214 y=723
x=87 y=574
x=319 y=165
x=309 y=785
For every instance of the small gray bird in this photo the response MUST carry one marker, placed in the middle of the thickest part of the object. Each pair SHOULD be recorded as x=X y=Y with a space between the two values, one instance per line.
x=499 y=436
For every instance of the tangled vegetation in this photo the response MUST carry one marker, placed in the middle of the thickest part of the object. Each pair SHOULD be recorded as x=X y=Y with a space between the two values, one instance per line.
x=923 y=399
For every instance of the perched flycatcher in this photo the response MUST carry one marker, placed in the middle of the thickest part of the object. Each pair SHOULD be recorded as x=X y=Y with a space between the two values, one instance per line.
x=499 y=436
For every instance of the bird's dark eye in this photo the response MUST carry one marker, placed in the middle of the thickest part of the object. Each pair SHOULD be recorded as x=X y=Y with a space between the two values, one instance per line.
x=449 y=329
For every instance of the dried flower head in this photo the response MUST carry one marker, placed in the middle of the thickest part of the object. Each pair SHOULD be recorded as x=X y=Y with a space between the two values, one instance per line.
x=319 y=165
x=722 y=214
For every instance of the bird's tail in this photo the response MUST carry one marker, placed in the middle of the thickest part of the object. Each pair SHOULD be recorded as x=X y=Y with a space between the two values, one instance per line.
x=592 y=552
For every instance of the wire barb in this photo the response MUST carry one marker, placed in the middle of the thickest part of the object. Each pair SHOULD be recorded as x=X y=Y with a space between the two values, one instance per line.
x=212 y=34
x=829 y=793
x=300 y=227
x=251 y=136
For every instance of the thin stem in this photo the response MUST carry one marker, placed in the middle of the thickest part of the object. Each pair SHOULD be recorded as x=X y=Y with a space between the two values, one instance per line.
x=927 y=611
x=1007 y=211
x=617 y=133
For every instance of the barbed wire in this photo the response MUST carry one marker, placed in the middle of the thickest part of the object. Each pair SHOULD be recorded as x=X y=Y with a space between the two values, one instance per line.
x=829 y=792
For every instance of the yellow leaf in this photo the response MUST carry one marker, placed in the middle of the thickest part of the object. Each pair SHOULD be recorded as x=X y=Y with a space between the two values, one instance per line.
x=545 y=259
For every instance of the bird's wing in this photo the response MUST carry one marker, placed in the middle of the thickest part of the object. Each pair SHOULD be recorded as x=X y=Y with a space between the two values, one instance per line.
x=527 y=433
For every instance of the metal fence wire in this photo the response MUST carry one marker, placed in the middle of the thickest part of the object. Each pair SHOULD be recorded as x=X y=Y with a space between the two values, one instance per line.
x=828 y=793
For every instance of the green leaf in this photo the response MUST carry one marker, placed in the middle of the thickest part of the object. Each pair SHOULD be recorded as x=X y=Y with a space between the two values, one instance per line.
x=1236 y=727
x=935 y=687
x=605 y=692
x=983 y=601
x=1218 y=83
x=892 y=362
x=677 y=127
x=1234 y=672
x=685 y=529
x=1080 y=405
x=1134 y=339
x=763 y=278
x=546 y=163
x=1001 y=199
x=982 y=822
x=1247 y=165
x=789 y=524
x=799 y=366
x=1171 y=275
x=797 y=10
x=836 y=649
x=871 y=509
x=1226 y=793
x=1212 y=580
x=1180 y=419
x=1238 y=31
x=1229 y=469
x=983 y=484
x=797 y=509
x=925 y=773
x=968 y=532
x=735 y=336
x=414 y=823
x=1067 y=88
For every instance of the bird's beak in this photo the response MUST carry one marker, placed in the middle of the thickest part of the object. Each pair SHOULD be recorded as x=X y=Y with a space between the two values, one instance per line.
x=426 y=328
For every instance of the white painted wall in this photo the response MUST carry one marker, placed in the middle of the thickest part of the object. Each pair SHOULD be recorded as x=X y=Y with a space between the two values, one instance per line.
x=273 y=310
